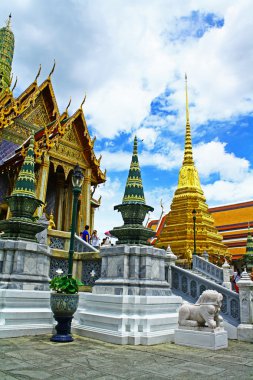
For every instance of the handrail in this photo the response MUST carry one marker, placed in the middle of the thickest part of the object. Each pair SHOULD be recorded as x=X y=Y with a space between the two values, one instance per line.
x=190 y=286
x=81 y=245
x=209 y=269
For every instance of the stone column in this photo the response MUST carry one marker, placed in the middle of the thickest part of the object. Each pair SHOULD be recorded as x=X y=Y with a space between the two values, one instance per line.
x=226 y=275
x=170 y=260
x=205 y=256
x=86 y=198
x=41 y=186
x=245 y=329
x=60 y=197
x=92 y=227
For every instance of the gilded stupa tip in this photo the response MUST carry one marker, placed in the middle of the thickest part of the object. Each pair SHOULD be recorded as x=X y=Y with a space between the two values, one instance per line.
x=188 y=157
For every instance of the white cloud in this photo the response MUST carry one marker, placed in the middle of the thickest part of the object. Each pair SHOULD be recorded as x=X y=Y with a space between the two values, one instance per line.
x=228 y=192
x=120 y=160
x=121 y=55
x=105 y=217
x=212 y=158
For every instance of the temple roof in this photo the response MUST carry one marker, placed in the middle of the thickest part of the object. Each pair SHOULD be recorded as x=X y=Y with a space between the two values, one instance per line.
x=46 y=136
x=7 y=149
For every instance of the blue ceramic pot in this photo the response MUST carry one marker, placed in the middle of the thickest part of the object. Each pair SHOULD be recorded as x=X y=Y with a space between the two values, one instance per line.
x=64 y=304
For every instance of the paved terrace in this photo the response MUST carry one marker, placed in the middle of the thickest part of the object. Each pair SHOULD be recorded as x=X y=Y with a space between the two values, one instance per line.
x=38 y=358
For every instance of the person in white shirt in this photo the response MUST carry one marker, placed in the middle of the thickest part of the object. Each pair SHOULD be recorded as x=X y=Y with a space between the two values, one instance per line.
x=94 y=239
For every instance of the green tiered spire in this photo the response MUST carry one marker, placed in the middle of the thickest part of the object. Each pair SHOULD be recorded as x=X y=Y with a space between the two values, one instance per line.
x=25 y=184
x=134 y=190
x=133 y=208
x=248 y=257
x=6 y=55
x=23 y=203
x=249 y=244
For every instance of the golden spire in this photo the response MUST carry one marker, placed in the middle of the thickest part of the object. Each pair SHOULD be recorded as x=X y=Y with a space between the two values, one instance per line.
x=188 y=158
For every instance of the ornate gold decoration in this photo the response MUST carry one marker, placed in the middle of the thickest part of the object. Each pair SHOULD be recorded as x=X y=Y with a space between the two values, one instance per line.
x=51 y=224
x=178 y=228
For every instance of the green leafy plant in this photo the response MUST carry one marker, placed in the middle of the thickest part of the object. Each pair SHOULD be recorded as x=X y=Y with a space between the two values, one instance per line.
x=65 y=284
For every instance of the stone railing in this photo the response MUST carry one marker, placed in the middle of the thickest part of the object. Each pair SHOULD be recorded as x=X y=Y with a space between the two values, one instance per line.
x=190 y=286
x=60 y=240
x=82 y=246
x=86 y=263
x=210 y=270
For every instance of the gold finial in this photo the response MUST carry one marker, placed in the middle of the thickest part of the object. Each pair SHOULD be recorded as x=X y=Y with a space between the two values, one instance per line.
x=38 y=74
x=66 y=110
x=8 y=22
x=93 y=141
x=83 y=101
x=188 y=158
x=186 y=100
x=15 y=84
x=51 y=72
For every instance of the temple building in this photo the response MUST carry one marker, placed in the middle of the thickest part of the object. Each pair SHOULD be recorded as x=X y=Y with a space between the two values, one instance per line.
x=233 y=222
x=61 y=141
x=178 y=227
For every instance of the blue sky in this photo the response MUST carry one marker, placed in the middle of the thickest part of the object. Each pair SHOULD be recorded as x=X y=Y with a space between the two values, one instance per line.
x=130 y=57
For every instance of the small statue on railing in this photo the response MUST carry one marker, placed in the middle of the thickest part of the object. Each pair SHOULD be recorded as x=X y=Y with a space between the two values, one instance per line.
x=51 y=221
x=205 y=312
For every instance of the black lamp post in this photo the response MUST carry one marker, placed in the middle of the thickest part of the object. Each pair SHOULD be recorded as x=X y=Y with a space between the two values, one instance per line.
x=77 y=181
x=194 y=212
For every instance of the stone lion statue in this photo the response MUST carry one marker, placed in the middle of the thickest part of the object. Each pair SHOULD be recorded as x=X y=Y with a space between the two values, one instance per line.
x=204 y=312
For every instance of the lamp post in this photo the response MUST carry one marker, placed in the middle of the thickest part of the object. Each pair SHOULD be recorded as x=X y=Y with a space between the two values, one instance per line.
x=194 y=212
x=77 y=181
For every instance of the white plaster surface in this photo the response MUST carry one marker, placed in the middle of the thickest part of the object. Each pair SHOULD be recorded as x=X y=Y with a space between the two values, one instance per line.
x=245 y=332
x=202 y=338
x=127 y=319
x=24 y=312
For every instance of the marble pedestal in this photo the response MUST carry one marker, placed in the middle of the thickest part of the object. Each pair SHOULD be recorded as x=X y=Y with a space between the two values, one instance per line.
x=132 y=270
x=245 y=332
x=127 y=319
x=24 y=265
x=24 y=313
x=202 y=337
x=131 y=303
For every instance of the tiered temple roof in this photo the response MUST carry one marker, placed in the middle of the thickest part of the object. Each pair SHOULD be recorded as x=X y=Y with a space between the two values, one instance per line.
x=60 y=142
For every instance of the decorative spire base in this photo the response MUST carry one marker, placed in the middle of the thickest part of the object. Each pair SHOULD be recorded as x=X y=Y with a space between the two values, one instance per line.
x=133 y=232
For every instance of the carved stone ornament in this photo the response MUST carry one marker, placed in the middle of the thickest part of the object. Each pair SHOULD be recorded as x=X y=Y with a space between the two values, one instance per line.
x=205 y=312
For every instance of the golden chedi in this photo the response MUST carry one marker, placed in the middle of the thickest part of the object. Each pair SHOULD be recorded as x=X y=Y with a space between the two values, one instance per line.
x=178 y=229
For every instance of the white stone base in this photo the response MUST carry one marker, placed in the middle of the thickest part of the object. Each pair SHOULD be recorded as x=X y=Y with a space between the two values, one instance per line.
x=245 y=332
x=24 y=312
x=202 y=338
x=127 y=319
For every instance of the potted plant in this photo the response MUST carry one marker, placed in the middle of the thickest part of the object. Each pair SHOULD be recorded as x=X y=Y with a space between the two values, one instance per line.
x=64 y=301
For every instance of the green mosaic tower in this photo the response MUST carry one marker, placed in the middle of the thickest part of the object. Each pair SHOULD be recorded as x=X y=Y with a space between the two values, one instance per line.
x=23 y=203
x=6 y=55
x=134 y=190
x=133 y=208
x=248 y=257
x=25 y=184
